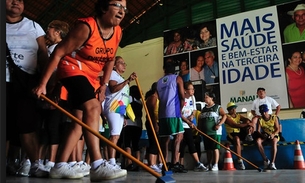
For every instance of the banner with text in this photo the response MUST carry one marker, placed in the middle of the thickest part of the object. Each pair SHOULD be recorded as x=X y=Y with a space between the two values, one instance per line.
x=250 y=56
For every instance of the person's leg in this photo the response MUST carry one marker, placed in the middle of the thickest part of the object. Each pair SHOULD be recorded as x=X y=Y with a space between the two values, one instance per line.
x=208 y=145
x=216 y=156
x=189 y=141
x=254 y=122
x=237 y=145
x=135 y=139
x=52 y=152
x=27 y=125
x=115 y=121
x=111 y=151
x=197 y=141
x=260 y=147
x=68 y=144
x=273 y=149
x=164 y=141
x=209 y=157
x=82 y=96
x=273 y=153
x=52 y=123
x=175 y=151
x=91 y=116
x=182 y=150
x=80 y=149
x=127 y=138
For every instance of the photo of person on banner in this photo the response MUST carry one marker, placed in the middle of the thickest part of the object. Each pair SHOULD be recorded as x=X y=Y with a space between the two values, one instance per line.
x=210 y=68
x=295 y=75
x=178 y=45
x=206 y=37
x=296 y=30
x=197 y=72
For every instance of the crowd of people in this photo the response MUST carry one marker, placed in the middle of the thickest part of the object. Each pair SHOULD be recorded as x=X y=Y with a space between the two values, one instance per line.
x=73 y=81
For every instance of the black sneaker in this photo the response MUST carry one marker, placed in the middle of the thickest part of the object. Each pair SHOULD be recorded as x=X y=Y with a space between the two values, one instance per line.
x=130 y=167
x=169 y=167
x=177 y=168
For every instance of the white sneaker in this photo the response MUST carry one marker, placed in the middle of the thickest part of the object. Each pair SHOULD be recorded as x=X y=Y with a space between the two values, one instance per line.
x=24 y=168
x=200 y=167
x=156 y=168
x=64 y=171
x=266 y=164
x=215 y=167
x=38 y=170
x=272 y=166
x=106 y=171
x=49 y=165
x=241 y=165
x=83 y=168
x=160 y=165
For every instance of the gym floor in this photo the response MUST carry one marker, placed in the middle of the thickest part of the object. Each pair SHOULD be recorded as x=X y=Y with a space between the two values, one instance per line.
x=237 y=176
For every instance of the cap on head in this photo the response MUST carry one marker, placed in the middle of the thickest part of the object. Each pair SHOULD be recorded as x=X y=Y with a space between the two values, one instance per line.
x=260 y=88
x=263 y=108
x=231 y=105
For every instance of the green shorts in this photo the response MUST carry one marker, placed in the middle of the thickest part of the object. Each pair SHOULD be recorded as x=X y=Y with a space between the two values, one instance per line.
x=170 y=126
x=210 y=144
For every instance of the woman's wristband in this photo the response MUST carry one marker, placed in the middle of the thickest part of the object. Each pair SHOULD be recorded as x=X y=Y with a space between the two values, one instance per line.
x=104 y=84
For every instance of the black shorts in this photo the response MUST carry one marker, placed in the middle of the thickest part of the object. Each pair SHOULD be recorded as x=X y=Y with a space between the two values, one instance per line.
x=79 y=90
x=242 y=135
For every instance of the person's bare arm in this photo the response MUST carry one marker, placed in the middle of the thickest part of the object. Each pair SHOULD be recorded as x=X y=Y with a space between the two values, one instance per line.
x=75 y=39
x=115 y=87
x=276 y=128
x=231 y=123
x=277 y=111
x=253 y=113
x=180 y=91
x=223 y=119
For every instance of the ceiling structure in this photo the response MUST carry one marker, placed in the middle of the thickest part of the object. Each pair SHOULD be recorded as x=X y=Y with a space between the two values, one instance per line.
x=146 y=19
x=44 y=11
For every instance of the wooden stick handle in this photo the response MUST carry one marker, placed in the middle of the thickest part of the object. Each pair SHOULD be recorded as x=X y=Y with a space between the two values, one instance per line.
x=94 y=132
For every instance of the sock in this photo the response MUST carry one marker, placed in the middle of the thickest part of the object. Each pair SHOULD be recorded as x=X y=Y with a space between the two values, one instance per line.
x=112 y=161
x=51 y=163
x=95 y=164
x=60 y=164
x=72 y=163
x=80 y=162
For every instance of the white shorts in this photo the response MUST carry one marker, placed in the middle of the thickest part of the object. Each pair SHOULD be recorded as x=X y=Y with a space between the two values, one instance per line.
x=115 y=122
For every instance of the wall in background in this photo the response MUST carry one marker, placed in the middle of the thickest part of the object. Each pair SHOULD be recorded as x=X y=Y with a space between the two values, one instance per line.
x=146 y=59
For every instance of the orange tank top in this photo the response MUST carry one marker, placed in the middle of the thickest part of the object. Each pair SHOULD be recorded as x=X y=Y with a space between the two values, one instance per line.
x=91 y=57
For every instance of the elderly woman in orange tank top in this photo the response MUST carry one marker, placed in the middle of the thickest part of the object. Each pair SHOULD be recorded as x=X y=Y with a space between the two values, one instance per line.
x=89 y=48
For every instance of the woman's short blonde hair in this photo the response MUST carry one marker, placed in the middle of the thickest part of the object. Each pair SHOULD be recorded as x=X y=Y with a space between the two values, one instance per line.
x=61 y=26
